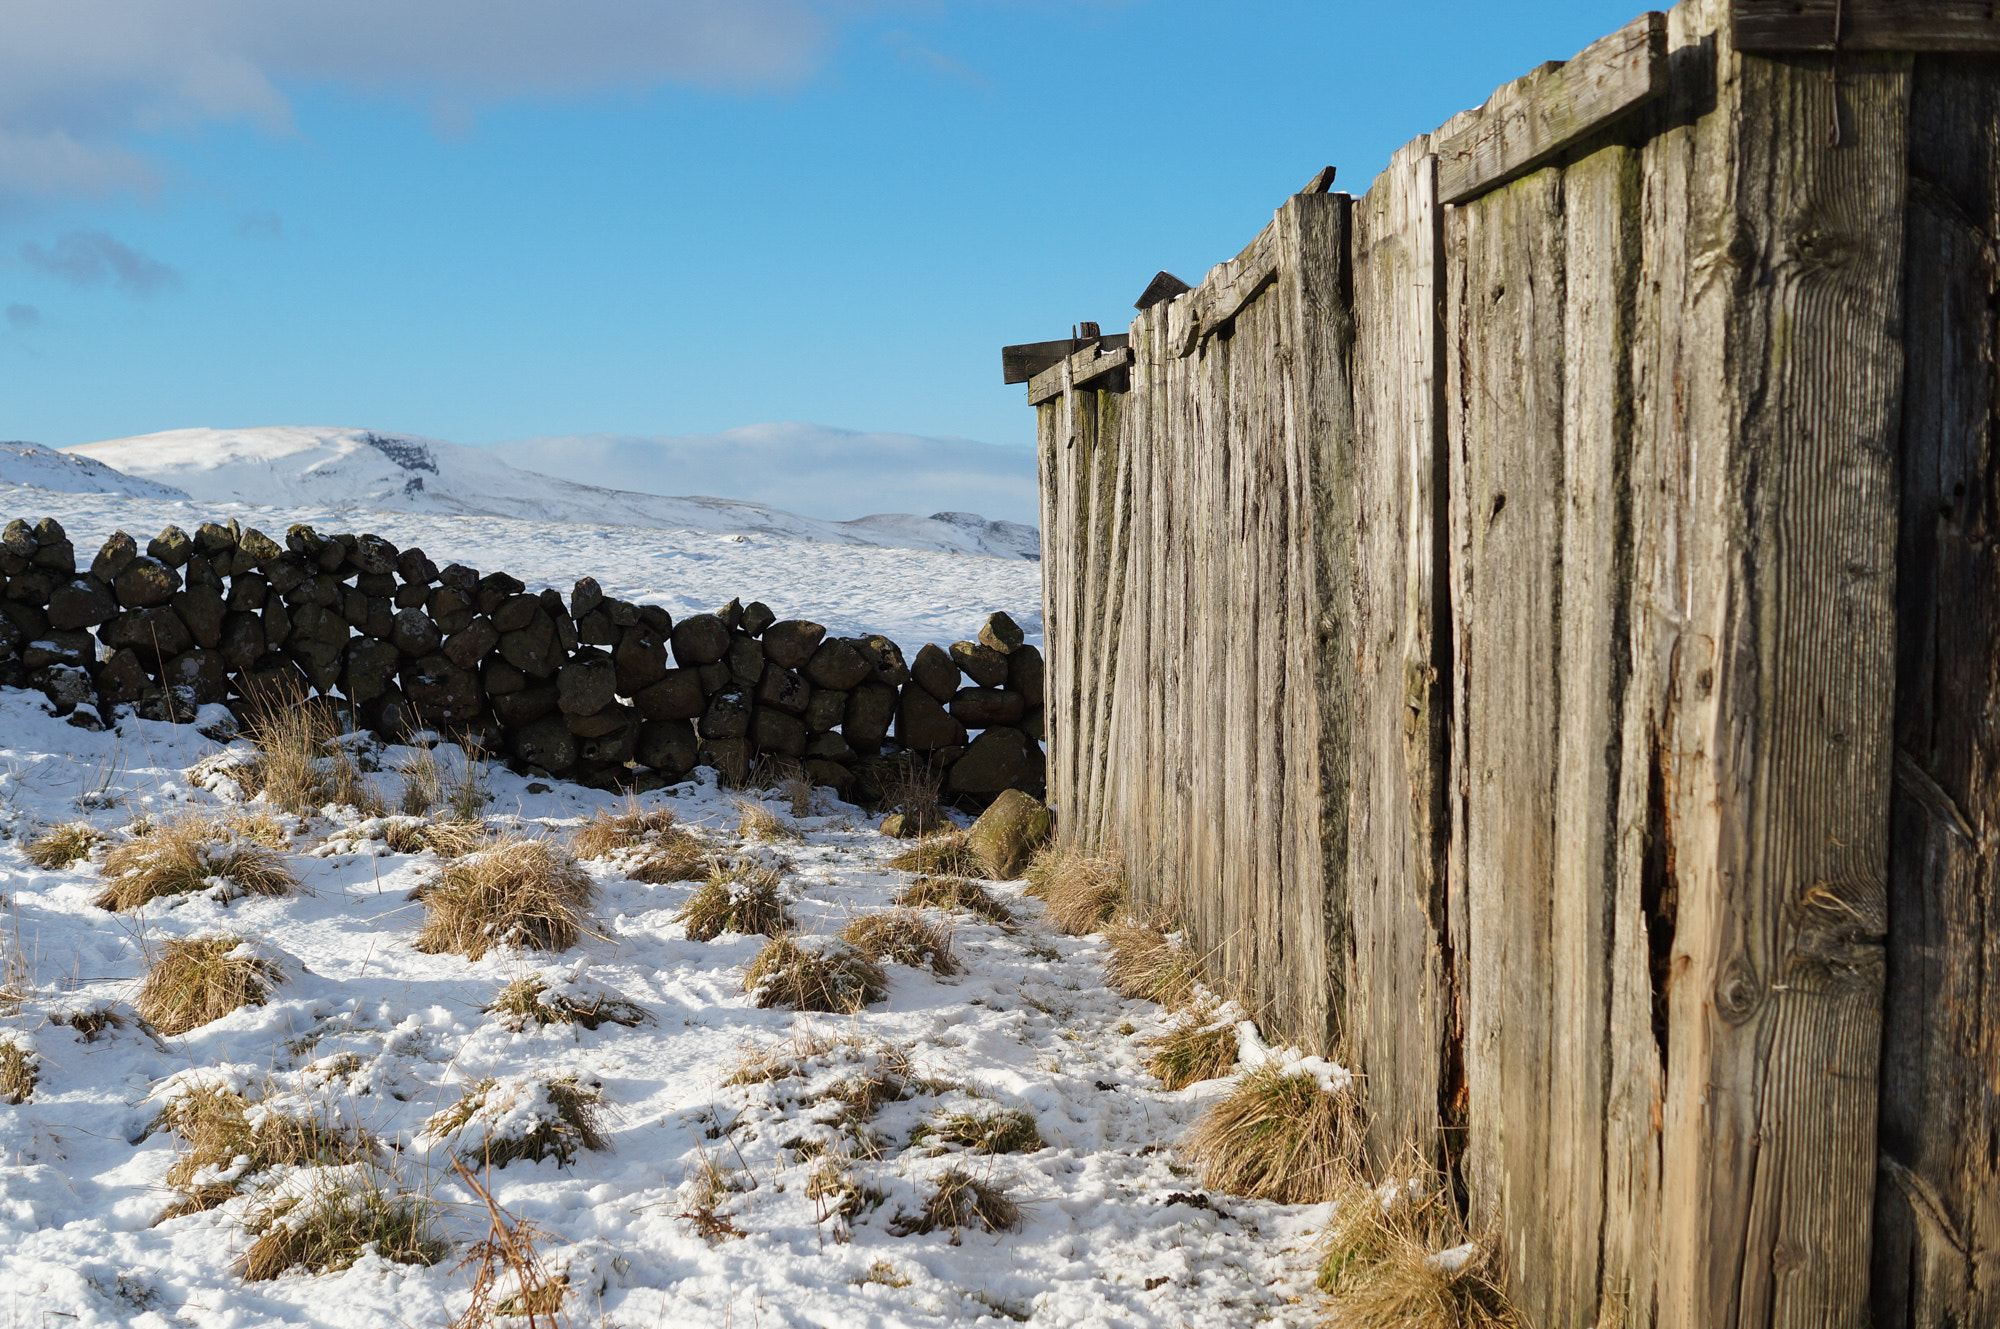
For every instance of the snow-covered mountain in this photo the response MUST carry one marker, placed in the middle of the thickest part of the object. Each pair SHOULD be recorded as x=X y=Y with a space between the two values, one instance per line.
x=364 y=469
x=38 y=467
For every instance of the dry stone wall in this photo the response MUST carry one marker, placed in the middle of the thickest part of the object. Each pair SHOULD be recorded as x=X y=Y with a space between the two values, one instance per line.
x=590 y=688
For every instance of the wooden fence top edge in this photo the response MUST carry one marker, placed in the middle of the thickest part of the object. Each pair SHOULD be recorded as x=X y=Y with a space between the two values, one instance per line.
x=1780 y=27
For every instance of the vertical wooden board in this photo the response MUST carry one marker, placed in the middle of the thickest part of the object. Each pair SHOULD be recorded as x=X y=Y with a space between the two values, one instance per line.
x=1782 y=749
x=1506 y=420
x=1395 y=1005
x=1937 y=1207
x=1600 y=261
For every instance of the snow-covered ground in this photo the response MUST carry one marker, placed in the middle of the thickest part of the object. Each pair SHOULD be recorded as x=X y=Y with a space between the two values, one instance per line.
x=911 y=596
x=366 y=470
x=375 y=1034
x=33 y=466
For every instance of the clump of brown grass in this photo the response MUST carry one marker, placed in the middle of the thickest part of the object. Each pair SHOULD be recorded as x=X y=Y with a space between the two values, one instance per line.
x=996 y=1131
x=531 y=1117
x=520 y=892
x=954 y=893
x=1277 y=1136
x=1082 y=891
x=948 y=855
x=59 y=846
x=884 y=1273
x=423 y=784
x=187 y=855
x=18 y=1071
x=508 y=1257
x=606 y=833
x=194 y=981
x=1147 y=964
x=447 y=838
x=343 y=1214
x=756 y=821
x=904 y=937
x=530 y=1000
x=224 y=1146
x=742 y=898
x=912 y=788
x=89 y=1021
x=831 y=977
x=960 y=1200
x=1397 y=1257
x=1197 y=1049
x=300 y=765
x=838 y=1193
x=678 y=858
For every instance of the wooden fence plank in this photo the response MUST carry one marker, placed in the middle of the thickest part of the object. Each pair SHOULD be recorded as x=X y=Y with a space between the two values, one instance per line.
x=1397 y=1006
x=1937 y=1205
x=1780 y=747
x=1778 y=26
x=1532 y=119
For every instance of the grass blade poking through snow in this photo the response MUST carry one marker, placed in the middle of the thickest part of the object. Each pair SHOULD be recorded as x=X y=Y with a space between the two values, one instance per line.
x=531 y=1117
x=1277 y=1136
x=332 y=1217
x=520 y=892
x=960 y=1201
x=17 y=1067
x=195 y=981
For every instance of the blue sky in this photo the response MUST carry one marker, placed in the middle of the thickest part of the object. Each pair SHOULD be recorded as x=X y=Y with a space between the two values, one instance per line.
x=656 y=217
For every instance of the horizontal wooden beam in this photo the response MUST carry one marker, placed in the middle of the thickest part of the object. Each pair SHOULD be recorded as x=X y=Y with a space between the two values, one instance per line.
x=1775 y=27
x=1223 y=293
x=1020 y=364
x=1087 y=366
x=1532 y=119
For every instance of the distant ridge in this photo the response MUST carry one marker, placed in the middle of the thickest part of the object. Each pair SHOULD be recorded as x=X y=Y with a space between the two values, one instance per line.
x=368 y=469
x=37 y=467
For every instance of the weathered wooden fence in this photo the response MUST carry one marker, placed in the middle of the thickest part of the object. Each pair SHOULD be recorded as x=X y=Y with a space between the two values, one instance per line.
x=1539 y=625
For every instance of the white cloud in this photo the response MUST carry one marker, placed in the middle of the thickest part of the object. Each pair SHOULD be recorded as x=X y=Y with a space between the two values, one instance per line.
x=815 y=470
x=77 y=75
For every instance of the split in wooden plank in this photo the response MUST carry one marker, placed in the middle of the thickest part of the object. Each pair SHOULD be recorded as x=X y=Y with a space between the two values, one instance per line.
x=1772 y=27
x=1086 y=366
x=1532 y=119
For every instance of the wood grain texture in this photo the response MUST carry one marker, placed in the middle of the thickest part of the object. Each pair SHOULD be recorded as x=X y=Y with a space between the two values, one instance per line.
x=1778 y=26
x=1532 y=119
x=1400 y=1014
x=1777 y=742
x=1937 y=1209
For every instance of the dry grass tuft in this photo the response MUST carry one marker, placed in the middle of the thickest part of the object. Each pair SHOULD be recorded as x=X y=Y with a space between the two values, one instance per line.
x=832 y=977
x=225 y=1145
x=531 y=1117
x=1081 y=890
x=195 y=981
x=707 y=1190
x=300 y=767
x=963 y=1201
x=837 y=1192
x=948 y=855
x=1277 y=1136
x=530 y=1000
x=1192 y=1052
x=1146 y=964
x=519 y=892
x=914 y=788
x=954 y=893
x=90 y=1021
x=343 y=1214
x=606 y=833
x=797 y=791
x=998 y=1131
x=187 y=855
x=17 y=1068
x=903 y=937
x=423 y=784
x=756 y=821
x=59 y=846
x=1397 y=1257
x=742 y=898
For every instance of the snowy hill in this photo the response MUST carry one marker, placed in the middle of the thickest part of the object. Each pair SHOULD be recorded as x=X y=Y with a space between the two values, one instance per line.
x=38 y=467
x=362 y=469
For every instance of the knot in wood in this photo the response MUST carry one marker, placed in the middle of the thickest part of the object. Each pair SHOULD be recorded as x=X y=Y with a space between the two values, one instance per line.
x=1740 y=992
